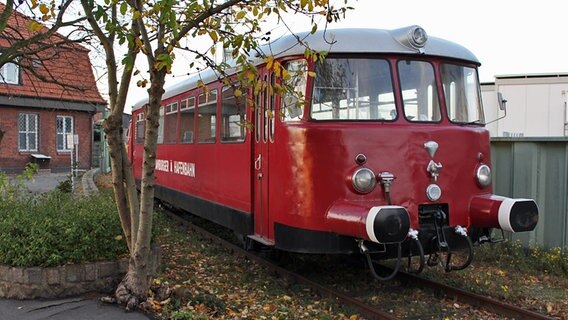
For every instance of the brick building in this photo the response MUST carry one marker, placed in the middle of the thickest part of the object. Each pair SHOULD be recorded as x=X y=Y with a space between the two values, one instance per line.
x=39 y=117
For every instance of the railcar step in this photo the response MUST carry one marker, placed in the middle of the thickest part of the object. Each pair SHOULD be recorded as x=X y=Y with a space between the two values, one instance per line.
x=262 y=240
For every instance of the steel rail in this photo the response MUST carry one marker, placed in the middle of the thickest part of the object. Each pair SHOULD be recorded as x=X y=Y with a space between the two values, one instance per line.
x=366 y=310
x=474 y=299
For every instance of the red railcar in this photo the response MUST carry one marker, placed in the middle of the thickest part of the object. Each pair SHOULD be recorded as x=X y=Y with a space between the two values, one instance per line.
x=389 y=154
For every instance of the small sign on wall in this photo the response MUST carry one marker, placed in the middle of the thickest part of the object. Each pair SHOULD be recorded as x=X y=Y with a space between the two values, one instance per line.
x=72 y=140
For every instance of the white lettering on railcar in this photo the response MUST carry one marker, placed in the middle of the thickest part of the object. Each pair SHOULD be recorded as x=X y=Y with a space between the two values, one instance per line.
x=162 y=165
x=176 y=167
x=184 y=168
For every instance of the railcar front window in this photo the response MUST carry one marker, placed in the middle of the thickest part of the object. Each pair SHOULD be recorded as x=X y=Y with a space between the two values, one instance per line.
x=461 y=91
x=419 y=91
x=353 y=89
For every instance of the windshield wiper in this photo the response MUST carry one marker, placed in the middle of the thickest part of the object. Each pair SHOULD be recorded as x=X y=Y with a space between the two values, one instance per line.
x=471 y=122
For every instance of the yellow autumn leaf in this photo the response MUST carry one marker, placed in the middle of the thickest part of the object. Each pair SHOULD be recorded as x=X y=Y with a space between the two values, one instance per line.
x=269 y=60
x=43 y=8
x=213 y=35
x=240 y=15
x=34 y=26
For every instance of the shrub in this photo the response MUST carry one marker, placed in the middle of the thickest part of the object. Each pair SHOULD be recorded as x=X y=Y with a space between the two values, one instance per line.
x=65 y=186
x=56 y=228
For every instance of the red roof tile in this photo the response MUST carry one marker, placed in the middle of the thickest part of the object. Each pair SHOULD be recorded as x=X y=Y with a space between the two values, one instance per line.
x=69 y=64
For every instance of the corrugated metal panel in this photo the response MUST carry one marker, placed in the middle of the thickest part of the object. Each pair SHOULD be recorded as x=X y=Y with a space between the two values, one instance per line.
x=535 y=168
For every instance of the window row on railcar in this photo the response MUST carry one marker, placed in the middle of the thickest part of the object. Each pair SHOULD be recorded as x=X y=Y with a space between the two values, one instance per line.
x=195 y=119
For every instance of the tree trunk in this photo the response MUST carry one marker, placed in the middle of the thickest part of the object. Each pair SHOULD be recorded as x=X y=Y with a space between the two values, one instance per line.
x=134 y=287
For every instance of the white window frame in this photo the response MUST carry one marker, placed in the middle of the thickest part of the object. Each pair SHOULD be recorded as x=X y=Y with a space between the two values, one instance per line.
x=161 y=125
x=28 y=132
x=10 y=73
x=63 y=134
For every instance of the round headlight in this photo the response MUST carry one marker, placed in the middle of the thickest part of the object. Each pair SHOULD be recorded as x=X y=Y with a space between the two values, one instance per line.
x=364 y=180
x=418 y=37
x=433 y=192
x=483 y=175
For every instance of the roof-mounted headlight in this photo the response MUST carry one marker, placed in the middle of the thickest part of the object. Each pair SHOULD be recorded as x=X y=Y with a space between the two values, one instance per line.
x=417 y=37
x=412 y=37
x=364 y=180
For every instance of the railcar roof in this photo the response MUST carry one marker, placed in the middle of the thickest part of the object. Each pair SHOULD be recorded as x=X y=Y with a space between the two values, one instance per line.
x=338 y=41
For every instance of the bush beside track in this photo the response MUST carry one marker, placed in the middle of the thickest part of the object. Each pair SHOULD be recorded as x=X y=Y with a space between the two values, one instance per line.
x=56 y=228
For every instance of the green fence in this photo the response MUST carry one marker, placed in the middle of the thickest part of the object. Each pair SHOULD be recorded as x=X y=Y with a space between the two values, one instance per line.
x=535 y=168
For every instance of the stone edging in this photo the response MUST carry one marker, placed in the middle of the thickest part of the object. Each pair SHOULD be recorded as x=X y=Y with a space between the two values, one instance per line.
x=67 y=280
x=58 y=282
x=88 y=181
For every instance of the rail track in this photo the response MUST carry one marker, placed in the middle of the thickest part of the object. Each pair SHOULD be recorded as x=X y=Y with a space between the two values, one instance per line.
x=473 y=299
x=367 y=310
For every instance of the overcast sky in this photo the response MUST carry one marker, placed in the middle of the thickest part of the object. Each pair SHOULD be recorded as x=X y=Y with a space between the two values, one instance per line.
x=507 y=36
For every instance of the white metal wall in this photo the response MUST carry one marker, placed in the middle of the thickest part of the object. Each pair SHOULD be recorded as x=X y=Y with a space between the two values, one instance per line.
x=536 y=106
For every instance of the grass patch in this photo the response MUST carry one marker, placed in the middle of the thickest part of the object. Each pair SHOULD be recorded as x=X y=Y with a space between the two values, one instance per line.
x=526 y=260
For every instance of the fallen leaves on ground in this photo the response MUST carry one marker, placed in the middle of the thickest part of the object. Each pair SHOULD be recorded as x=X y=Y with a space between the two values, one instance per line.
x=208 y=282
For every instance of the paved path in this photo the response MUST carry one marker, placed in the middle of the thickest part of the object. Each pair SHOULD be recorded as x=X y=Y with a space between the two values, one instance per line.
x=44 y=182
x=64 y=309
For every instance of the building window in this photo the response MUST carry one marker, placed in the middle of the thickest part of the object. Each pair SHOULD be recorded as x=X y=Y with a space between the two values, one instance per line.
x=64 y=128
x=10 y=73
x=27 y=131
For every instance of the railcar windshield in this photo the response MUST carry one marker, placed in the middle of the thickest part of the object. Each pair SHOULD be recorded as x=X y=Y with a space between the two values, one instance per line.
x=362 y=89
x=419 y=91
x=461 y=92
x=353 y=89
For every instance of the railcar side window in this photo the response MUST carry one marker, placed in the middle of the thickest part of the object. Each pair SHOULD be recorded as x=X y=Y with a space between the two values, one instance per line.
x=161 y=125
x=170 y=127
x=233 y=116
x=271 y=106
x=265 y=114
x=461 y=91
x=294 y=98
x=207 y=116
x=419 y=91
x=186 y=120
x=140 y=128
x=353 y=89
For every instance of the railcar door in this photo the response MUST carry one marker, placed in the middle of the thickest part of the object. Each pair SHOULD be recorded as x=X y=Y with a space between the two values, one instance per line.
x=263 y=138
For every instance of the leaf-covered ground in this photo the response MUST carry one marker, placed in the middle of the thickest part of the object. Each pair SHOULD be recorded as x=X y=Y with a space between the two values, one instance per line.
x=203 y=281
